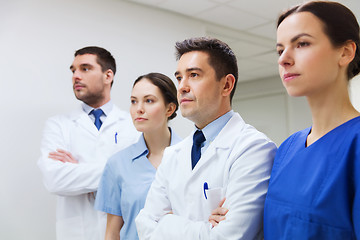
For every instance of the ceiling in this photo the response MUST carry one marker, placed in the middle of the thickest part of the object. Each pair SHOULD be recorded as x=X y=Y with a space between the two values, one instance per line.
x=250 y=27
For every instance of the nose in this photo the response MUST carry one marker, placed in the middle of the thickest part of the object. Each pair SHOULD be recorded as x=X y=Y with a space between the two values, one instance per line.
x=76 y=76
x=183 y=86
x=286 y=58
x=140 y=108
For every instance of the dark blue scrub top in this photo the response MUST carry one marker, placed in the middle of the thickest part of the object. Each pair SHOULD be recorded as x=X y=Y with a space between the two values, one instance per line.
x=314 y=192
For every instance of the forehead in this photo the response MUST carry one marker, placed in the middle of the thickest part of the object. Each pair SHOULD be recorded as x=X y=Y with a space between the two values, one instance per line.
x=298 y=23
x=145 y=87
x=194 y=59
x=85 y=59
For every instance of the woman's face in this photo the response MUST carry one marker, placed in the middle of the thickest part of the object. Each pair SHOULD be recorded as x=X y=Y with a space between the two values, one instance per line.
x=148 y=109
x=308 y=62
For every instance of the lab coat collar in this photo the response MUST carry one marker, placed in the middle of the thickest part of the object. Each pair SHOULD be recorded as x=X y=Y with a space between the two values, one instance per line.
x=220 y=143
x=83 y=119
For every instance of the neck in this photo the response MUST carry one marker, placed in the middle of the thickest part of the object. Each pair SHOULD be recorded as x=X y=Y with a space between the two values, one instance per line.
x=207 y=119
x=330 y=108
x=99 y=103
x=158 y=140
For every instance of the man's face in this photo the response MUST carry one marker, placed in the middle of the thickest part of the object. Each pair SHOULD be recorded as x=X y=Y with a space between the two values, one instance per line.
x=199 y=91
x=89 y=81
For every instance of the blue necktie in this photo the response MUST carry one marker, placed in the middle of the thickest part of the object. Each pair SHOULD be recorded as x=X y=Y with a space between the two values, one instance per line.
x=97 y=114
x=198 y=139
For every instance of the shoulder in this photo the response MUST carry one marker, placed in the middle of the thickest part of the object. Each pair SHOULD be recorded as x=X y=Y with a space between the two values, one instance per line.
x=61 y=120
x=181 y=146
x=353 y=126
x=120 y=113
x=237 y=130
x=295 y=138
x=128 y=153
x=68 y=116
x=175 y=138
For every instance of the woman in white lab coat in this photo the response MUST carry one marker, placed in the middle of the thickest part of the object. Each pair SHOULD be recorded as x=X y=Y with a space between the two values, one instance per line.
x=129 y=173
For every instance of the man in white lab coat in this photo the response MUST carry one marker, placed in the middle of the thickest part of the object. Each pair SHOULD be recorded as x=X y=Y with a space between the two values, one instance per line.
x=185 y=200
x=76 y=146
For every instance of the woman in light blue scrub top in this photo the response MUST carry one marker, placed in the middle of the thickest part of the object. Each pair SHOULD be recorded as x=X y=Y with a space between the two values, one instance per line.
x=314 y=188
x=129 y=173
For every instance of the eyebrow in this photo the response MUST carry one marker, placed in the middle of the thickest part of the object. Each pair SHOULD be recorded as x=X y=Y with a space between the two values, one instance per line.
x=149 y=95
x=82 y=65
x=295 y=38
x=189 y=70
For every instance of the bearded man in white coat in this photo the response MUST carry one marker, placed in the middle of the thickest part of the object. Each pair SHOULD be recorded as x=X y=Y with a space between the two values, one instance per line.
x=213 y=188
x=76 y=146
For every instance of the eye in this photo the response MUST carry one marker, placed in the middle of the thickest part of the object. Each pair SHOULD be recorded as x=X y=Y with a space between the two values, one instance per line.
x=303 y=44
x=178 y=78
x=149 y=101
x=194 y=74
x=133 y=101
x=85 y=69
x=279 y=51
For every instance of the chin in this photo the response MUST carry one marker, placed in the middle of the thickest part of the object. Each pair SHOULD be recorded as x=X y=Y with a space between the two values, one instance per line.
x=295 y=94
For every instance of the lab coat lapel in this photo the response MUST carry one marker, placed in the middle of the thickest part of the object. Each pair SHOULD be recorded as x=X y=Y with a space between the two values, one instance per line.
x=211 y=154
x=114 y=116
x=220 y=145
x=81 y=119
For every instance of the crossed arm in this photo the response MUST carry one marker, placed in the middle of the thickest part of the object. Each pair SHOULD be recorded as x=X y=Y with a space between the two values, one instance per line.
x=62 y=174
x=62 y=156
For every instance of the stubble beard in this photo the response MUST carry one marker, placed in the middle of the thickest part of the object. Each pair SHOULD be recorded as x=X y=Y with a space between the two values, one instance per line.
x=89 y=98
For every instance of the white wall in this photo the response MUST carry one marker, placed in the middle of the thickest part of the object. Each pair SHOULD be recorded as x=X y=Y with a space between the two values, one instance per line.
x=355 y=92
x=265 y=104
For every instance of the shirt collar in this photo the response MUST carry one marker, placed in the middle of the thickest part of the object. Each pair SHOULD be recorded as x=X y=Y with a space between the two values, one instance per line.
x=107 y=107
x=140 y=149
x=212 y=129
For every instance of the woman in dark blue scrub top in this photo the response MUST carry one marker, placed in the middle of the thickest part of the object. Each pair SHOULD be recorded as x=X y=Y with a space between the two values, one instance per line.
x=314 y=189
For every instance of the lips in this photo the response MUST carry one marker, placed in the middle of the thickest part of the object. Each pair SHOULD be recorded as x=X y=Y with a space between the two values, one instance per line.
x=78 y=86
x=290 y=76
x=185 y=100
x=140 y=119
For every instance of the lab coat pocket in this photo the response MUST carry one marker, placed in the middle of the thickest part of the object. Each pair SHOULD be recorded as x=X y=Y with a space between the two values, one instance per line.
x=213 y=198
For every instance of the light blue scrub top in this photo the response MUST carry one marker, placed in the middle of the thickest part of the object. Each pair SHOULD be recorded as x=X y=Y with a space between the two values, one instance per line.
x=125 y=183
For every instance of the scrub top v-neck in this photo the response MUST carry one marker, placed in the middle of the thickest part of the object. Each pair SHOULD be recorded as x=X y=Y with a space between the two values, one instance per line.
x=314 y=191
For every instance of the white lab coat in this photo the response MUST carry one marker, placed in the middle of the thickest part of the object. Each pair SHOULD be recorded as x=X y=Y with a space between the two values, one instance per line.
x=238 y=162
x=75 y=184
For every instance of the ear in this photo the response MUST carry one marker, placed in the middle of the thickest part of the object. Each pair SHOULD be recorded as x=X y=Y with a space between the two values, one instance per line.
x=109 y=76
x=229 y=83
x=348 y=53
x=170 y=109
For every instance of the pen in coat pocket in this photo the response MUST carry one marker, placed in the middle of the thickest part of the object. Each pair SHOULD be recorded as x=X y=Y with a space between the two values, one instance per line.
x=206 y=187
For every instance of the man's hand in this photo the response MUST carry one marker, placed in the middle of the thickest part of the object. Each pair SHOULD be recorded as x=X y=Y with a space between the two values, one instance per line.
x=218 y=214
x=62 y=156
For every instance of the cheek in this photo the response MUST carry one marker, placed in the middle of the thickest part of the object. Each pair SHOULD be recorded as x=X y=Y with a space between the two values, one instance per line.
x=132 y=112
x=158 y=112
